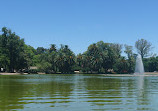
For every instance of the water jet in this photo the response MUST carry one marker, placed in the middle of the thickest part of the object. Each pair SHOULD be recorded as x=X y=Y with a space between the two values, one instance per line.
x=139 y=67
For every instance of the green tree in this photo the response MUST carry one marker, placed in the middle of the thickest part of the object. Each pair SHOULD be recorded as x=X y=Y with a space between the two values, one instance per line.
x=52 y=55
x=151 y=64
x=121 y=65
x=131 y=60
x=53 y=48
x=40 y=50
x=12 y=47
x=110 y=53
x=78 y=62
x=95 y=57
x=65 y=59
x=28 y=55
x=100 y=57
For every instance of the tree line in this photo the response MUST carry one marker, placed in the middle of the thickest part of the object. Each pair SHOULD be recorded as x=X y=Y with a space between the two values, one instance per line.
x=100 y=57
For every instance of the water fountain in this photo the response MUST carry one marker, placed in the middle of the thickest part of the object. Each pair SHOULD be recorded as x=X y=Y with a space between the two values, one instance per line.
x=139 y=71
x=139 y=67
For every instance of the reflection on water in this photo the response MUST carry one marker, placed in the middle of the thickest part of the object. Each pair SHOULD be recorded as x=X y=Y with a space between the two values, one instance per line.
x=78 y=92
x=140 y=84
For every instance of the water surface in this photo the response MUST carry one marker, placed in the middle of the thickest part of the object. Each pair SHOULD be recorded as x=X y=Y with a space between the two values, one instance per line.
x=78 y=93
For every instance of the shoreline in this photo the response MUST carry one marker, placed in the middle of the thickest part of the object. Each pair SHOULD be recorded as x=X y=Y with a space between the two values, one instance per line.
x=6 y=73
x=146 y=74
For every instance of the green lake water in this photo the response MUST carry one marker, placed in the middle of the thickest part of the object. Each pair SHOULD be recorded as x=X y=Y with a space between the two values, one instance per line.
x=78 y=92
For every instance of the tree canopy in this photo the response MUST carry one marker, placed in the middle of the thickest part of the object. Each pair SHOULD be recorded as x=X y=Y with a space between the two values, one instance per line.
x=143 y=47
x=100 y=57
x=12 y=51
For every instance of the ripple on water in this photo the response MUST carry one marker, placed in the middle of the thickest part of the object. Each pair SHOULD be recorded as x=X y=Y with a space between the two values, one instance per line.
x=78 y=92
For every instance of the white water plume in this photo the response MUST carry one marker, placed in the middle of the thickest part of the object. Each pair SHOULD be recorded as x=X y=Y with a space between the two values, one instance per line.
x=139 y=67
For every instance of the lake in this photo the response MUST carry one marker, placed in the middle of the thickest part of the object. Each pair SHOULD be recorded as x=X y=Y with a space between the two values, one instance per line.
x=77 y=92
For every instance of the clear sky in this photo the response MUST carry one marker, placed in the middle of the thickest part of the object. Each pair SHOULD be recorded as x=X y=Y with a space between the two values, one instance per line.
x=79 y=23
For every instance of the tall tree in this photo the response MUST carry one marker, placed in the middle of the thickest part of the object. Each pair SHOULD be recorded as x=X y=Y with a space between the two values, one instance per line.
x=65 y=59
x=12 y=47
x=130 y=55
x=52 y=56
x=40 y=50
x=95 y=57
x=143 y=47
x=52 y=48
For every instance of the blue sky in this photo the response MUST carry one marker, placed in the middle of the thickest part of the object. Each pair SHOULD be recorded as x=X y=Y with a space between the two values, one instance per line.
x=79 y=23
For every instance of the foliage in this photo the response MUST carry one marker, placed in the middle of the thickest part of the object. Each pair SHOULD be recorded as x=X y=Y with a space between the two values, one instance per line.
x=100 y=57
x=65 y=59
x=151 y=64
x=131 y=60
x=12 y=51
